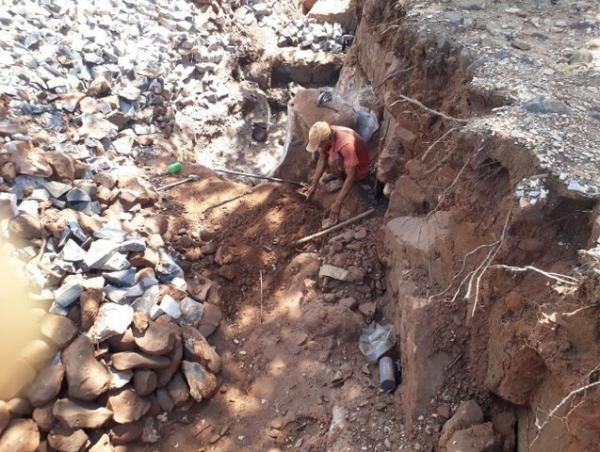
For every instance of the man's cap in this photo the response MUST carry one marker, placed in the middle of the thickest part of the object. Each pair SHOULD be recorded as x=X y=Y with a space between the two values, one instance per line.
x=319 y=131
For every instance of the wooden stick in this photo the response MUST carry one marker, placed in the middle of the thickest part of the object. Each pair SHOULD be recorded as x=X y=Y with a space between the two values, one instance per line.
x=258 y=176
x=336 y=227
x=261 y=295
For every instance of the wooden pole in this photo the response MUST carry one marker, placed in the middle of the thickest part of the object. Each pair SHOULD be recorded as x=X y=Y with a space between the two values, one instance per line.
x=336 y=227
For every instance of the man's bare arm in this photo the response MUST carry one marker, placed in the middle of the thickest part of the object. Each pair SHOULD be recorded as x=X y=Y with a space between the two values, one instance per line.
x=348 y=183
x=321 y=164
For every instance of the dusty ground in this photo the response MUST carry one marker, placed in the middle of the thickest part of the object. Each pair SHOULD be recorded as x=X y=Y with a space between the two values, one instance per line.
x=293 y=376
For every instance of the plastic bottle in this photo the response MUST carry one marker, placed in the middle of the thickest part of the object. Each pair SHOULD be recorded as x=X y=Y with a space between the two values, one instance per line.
x=174 y=168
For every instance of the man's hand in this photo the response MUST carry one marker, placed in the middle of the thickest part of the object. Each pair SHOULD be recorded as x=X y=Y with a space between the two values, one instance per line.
x=334 y=212
x=311 y=191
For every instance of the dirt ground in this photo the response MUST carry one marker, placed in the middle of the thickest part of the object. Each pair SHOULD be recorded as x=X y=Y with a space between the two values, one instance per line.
x=293 y=376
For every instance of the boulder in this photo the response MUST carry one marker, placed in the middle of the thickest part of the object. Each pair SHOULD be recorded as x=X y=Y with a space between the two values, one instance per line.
x=127 y=406
x=77 y=414
x=47 y=384
x=21 y=435
x=175 y=357
x=113 y=319
x=43 y=417
x=202 y=383
x=125 y=433
x=479 y=438
x=67 y=439
x=87 y=378
x=123 y=342
x=303 y=112
x=19 y=407
x=89 y=303
x=335 y=11
x=468 y=414
x=27 y=160
x=178 y=390
x=164 y=400
x=145 y=381
x=200 y=350
x=58 y=329
x=157 y=339
x=62 y=164
x=134 y=360
x=102 y=445
x=211 y=318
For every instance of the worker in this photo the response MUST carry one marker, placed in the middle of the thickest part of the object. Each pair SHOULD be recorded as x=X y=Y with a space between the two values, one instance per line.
x=344 y=153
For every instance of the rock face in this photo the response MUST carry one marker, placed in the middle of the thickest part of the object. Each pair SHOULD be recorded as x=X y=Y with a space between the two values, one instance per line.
x=202 y=383
x=87 y=378
x=127 y=406
x=21 y=435
x=80 y=414
x=197 y=346
x=47 y=383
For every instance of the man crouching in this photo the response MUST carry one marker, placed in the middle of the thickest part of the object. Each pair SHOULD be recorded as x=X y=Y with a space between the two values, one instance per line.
x=344 y=153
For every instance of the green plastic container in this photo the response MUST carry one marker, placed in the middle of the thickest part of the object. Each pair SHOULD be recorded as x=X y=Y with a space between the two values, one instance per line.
x=174 y=168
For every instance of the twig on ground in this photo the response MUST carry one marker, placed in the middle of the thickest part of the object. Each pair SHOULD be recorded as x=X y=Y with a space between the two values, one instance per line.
x=403 y=98
x=261 y=295
x=565 y=279
x=434 y=144
x=552 y=413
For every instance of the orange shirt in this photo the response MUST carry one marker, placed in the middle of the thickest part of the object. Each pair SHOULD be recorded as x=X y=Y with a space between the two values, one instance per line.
x=352 y=149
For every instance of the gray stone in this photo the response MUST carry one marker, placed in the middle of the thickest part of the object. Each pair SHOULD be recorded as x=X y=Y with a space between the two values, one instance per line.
x=112 y=319
x=147 y=302
x=57 y=189
x=129 y=92
x=112 y=234
x=191 y=311
x=122 y=278
x=546 y=105
x=100 y=252
x=72 y=252
x=78 y=195
x=68 y=293
x=124 y=294
x=334 y=272
x=202 y=383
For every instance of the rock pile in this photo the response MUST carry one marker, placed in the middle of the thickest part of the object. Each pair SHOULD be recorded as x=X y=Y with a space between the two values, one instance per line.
x=124 y=338
x=329 y=31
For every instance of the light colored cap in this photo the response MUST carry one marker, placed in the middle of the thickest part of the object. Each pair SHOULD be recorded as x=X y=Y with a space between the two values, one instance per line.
x=319 y=132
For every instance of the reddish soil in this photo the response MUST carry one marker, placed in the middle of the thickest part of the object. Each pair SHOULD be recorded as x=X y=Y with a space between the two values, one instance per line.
x=293 y=376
